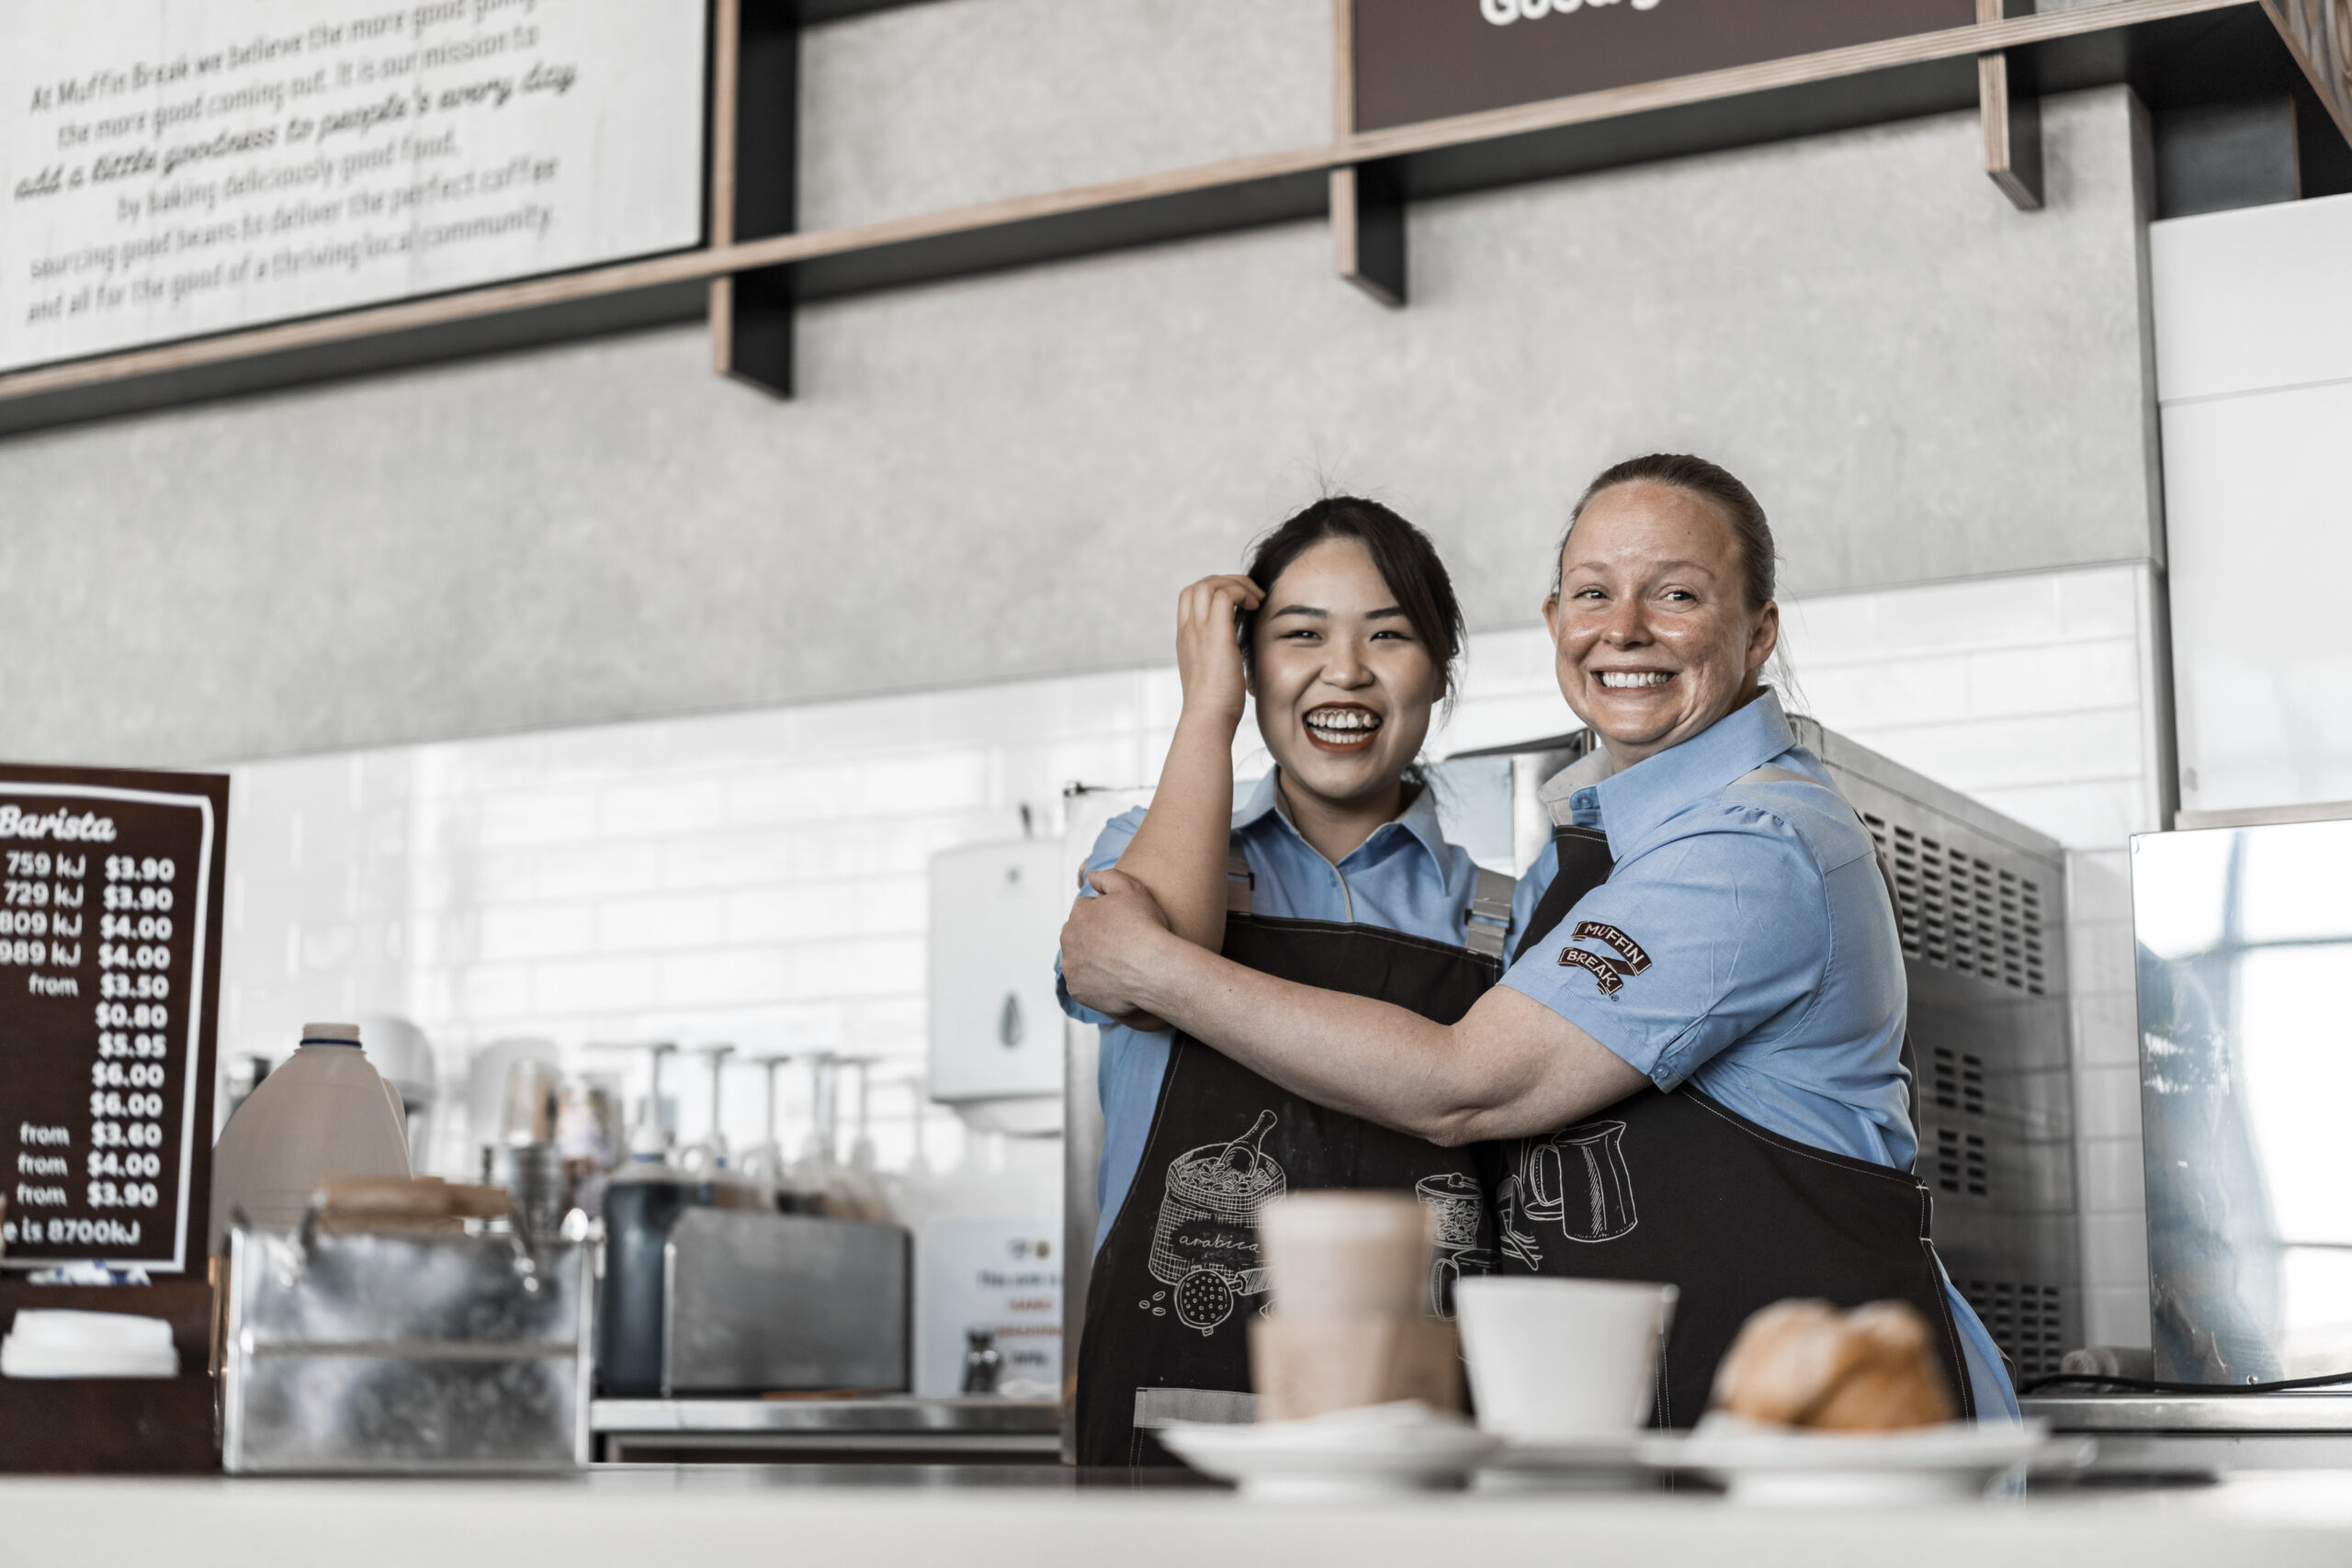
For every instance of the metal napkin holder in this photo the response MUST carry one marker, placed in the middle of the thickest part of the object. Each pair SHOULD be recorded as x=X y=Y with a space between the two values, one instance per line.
x=406 y=1352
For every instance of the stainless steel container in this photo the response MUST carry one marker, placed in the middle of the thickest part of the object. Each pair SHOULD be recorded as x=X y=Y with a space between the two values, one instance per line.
x=533 y=1176
x=405 y=1353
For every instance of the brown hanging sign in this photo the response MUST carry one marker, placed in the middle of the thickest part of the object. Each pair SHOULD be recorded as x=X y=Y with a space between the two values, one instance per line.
x=1424 y=60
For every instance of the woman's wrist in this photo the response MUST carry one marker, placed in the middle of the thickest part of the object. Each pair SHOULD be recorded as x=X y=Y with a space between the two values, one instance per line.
x=1209 y=717
x=1157 y=951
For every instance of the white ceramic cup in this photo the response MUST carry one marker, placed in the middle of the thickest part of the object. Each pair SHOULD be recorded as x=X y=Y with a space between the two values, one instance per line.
x=1346 y=1254
x=1560 y=1357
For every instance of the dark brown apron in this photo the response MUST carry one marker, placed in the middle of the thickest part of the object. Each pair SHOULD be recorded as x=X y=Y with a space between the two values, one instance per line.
x=1677 y=1190
x=1177 y=1276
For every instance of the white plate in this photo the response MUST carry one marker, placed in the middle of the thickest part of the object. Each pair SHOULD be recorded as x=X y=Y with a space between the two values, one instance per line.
x=1332 y=1457
x=1601 y=1460
x=1777 y=1464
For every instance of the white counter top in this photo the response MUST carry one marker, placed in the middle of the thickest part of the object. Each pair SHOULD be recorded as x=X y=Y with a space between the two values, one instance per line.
x=660 y=1516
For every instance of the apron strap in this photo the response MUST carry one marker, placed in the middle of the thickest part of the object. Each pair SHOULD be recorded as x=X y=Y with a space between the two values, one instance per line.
x=1488 y=925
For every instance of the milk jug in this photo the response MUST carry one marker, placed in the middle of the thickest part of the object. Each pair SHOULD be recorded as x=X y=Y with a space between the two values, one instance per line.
x=323 y=1115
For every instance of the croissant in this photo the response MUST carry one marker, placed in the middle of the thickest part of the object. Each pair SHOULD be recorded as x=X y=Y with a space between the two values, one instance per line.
x=1804 y=1363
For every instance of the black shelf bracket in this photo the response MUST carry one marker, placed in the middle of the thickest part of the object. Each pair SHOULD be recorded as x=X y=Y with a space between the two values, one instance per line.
x=756 y=97
x=1368 y=228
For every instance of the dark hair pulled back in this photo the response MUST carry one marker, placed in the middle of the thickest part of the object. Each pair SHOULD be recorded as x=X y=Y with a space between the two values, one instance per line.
x=1709 y=481
x=1405 y=560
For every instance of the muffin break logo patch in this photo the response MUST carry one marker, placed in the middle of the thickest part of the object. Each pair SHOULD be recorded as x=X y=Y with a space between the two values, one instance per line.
x=1609 y=974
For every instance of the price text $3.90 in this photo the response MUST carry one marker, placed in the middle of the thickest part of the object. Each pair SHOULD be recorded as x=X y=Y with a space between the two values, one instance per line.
x=134 y=1018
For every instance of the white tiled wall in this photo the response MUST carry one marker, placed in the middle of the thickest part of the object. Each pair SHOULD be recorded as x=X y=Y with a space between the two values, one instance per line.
x=759 y=877
x=756 y=878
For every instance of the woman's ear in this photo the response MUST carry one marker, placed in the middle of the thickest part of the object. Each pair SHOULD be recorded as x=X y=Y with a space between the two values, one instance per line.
x=1763 y=638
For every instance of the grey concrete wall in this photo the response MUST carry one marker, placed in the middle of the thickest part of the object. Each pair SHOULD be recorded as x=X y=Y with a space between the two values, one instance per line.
x=1012 y=475
x=941 y=105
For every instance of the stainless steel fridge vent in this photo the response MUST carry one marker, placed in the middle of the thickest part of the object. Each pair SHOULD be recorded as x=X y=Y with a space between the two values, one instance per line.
x=2024 y=1320
x=1961 y=912
x=1958 y=1082
x=1961 y=1165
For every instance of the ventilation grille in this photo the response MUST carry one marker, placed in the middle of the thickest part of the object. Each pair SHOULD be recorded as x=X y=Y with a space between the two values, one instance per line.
x=1960 y=1163
x=1958 y=1082
x=1961 y=912
x=2024 y=1320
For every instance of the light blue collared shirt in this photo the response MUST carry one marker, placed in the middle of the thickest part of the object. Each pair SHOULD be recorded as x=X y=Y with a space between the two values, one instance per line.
x=1406 y=877
x=1775 y=982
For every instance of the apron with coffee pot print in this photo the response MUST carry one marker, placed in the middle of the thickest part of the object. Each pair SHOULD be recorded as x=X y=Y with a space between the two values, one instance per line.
x=1166 y=1334
x=1676 y=1189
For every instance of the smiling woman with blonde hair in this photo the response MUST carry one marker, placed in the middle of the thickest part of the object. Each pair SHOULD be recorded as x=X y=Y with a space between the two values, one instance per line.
x=1333 y=873
x=1692 y=1072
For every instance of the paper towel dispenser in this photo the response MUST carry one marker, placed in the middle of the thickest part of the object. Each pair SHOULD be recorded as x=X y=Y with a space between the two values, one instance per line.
x=996 y=1035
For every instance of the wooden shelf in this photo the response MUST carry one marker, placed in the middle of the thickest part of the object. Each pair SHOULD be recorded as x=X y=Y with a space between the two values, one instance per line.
x=558 y=310
x=2171 y=51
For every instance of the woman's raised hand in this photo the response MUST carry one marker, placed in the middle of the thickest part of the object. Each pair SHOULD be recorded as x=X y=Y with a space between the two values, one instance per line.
x=1179 y=852
x=1208 y=646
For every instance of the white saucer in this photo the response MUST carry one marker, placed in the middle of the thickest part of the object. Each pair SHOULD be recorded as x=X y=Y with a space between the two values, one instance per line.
x=1600 y=1460
x=1355 y=1454
x=1778 y=1464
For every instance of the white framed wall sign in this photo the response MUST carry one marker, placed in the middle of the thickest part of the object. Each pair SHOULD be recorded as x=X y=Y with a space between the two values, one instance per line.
x=177 y=168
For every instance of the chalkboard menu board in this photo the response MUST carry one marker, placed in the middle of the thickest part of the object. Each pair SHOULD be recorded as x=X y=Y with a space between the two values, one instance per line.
x=183 y=167
x=110 y=971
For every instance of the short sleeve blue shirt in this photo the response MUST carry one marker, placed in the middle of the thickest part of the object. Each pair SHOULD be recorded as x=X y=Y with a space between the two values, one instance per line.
x=1775 y=977
x=1774 y=982
x=1406 y=877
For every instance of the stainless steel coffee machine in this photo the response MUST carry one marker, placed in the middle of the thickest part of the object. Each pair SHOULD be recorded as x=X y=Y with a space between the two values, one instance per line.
x=724 y=1275
x=705 y=1294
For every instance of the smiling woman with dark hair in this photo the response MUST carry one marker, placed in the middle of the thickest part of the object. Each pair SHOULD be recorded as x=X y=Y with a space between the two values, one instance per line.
x=1692 y=1072
x=1334 y=873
